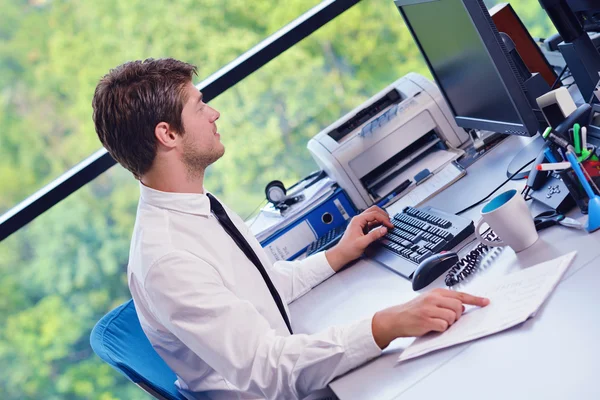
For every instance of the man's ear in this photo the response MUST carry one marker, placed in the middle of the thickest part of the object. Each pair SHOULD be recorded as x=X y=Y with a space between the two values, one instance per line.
x=165 y=135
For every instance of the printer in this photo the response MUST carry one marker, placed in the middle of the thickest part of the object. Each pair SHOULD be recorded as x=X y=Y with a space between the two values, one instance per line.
x=369 y=150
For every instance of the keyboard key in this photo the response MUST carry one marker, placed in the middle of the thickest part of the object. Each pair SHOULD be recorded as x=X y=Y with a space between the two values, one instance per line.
x=415 y=257
x=417 y=237
x=446 y=235
x=403 y=234
x=394 y=238
x=423 y=256
x=437 y=247
x=410 y=220
x=446 y=224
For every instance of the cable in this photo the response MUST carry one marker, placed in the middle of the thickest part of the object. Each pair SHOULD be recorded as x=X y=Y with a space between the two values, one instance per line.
x=495 y=190
x=558 y=79
x=525 y=193
x=317 y=175
x=252 y=213
x=468 y=264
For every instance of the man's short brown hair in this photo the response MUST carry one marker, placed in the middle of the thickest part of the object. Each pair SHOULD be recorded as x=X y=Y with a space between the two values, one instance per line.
x=131 y=100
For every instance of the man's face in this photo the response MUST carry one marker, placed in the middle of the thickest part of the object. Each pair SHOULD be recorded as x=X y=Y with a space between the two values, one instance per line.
x=201 y=142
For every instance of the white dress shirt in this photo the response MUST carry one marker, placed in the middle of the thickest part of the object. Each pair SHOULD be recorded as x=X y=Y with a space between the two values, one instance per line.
x=209 y=314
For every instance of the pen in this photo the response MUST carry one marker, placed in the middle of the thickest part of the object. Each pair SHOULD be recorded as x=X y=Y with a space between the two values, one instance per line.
x=557 y=140
x=577 y=139
x=399 y=189
x=553 y=166
x=550 y=156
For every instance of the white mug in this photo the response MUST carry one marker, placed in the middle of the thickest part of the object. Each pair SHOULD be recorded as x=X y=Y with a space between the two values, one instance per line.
x=509 y=217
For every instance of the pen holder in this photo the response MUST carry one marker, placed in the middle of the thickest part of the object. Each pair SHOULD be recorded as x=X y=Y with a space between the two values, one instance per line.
x=593 y=214
x=594 y=199
x=575 y=189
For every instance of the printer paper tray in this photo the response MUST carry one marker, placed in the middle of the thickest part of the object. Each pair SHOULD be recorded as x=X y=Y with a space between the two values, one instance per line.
x=434 y=160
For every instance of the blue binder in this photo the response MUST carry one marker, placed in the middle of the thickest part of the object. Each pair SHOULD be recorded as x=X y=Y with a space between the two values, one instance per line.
x=293 y=239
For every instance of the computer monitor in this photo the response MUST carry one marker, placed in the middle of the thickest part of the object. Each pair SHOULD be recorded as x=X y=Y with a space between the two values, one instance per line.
x=470 y=64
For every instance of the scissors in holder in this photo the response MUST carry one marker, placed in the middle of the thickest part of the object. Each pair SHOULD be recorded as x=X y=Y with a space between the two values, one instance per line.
x=551 y=218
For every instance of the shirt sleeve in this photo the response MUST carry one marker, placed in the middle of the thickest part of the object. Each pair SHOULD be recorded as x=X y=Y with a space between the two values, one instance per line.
x=189 y=298
x=295 y=278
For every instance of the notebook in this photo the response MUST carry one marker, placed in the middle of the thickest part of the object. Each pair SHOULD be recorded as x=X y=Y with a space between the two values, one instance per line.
x=513 y=300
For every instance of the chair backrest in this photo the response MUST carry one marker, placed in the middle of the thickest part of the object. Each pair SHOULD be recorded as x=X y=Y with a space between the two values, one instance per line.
x=119 y=340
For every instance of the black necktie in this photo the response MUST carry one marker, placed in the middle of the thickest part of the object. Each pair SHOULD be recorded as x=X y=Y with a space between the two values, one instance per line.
x=237 y=237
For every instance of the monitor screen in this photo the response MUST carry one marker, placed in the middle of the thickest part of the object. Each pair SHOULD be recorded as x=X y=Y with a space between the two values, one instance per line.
x=462 y=65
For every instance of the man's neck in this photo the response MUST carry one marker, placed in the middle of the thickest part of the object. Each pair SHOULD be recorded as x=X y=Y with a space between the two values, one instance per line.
x=174 y=180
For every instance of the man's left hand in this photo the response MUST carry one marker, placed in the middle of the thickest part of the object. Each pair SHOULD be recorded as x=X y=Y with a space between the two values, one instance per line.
x=363 y=229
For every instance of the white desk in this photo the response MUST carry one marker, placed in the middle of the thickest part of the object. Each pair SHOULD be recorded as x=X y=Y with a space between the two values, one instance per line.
x=555 y=355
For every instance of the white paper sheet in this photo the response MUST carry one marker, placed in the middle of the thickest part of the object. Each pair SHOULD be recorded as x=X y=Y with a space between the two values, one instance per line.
x=291 y=243
x=434 y=161
x=512 y=300
x=438 y=182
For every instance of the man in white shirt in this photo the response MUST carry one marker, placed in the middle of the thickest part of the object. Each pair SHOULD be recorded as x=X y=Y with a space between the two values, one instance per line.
x=199 y=292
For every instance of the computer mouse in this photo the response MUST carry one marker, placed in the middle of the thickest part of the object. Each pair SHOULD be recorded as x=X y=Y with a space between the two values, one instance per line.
x=431 y=268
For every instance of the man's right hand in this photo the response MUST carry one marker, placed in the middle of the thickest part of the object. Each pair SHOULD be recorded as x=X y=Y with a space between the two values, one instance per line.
x=433 y=311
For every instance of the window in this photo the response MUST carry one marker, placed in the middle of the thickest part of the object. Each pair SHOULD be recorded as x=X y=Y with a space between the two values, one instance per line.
x=532 y=14
x=58 y=276
x=53 y=52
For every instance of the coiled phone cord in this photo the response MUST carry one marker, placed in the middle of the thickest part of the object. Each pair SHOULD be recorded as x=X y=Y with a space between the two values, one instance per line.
x=469 y=263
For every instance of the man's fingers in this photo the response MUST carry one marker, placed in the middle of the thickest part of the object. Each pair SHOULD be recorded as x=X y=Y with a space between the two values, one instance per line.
x=451 y=304
x=376 y=208
x=466 y=298
x=444 y=313
x=438 y=324
x=372 y=236
x=375 y=215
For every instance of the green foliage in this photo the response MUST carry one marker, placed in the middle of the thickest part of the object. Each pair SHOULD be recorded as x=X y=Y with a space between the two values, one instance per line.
x=65 y=270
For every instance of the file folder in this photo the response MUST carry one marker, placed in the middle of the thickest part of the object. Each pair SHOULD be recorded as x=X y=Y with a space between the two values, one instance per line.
x=292 y=240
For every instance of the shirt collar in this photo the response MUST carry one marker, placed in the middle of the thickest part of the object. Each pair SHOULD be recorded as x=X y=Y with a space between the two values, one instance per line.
x=189 y=203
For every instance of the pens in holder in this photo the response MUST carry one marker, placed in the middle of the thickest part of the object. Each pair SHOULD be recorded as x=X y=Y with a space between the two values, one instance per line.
x=550 y=156
x=553 y=166
x=577 y=139
x=557 y=140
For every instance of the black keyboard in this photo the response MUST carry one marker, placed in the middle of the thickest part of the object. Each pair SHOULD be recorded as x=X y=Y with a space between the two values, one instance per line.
x=327 y=240
x=418 y=233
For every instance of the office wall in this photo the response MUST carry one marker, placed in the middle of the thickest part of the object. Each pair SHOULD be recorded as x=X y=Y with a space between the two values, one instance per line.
x=62 y=272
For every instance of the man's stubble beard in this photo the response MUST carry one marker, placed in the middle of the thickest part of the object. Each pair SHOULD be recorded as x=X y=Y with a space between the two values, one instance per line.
x=196 y=162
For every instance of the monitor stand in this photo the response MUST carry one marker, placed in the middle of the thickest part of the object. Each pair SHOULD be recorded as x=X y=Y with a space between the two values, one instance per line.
x=526 y=154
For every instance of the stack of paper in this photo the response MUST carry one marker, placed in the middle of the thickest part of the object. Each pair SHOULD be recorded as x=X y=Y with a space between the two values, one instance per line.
x=513 y=300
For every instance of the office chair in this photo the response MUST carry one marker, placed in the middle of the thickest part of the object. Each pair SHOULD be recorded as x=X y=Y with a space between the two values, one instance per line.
x=119 y=340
